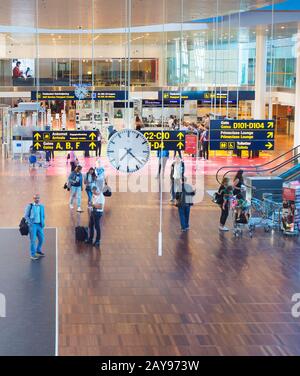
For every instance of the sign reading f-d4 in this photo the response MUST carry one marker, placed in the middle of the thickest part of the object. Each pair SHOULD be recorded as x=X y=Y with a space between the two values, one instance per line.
x=64 y=140
x=165 y=140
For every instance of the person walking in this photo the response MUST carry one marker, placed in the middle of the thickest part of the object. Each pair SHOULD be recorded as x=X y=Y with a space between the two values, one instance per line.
x=35 y=218
x=184 y=198
x=75 y=183
x=176 y=177
x=225 y=193
x=98 y=201
x=90 y=181
x=163 y=156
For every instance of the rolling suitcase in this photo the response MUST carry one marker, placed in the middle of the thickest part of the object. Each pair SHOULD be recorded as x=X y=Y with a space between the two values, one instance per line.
x=81 y=233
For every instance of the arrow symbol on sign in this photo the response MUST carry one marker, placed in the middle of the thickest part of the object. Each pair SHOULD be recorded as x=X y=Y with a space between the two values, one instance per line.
x=92 y=136
x=37 y=145
x=37 y=136
x=180 y=135
x=270 y=135
x=269 y=145
x=180 y=145
x=92 y=145
x=270 y=125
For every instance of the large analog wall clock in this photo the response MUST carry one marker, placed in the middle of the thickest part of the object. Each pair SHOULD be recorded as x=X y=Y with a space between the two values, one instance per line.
x=128 y=150
x=81 y=91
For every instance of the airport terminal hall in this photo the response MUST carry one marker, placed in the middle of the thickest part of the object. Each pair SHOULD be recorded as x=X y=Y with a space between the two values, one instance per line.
x=150 y=180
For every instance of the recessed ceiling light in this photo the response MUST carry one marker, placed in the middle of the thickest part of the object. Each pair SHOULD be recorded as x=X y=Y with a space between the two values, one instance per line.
x=282 y=27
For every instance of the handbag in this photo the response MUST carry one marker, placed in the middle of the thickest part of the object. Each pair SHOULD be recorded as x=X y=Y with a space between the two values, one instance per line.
x=107 y=191
x=23 y=226
x=218 y=198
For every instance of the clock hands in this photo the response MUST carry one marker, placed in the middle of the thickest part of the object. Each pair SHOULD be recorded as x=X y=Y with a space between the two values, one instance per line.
x=130 y=153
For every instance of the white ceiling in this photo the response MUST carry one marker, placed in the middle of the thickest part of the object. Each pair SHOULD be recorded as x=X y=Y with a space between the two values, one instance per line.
x=70 y=14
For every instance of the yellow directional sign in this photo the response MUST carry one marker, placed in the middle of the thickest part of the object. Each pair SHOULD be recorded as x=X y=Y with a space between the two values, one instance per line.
x=269 y=145
x=180 y=145
x=92 y=145
x=64 y=140
x=180 y=135
x=270 y=135
x=270 y=124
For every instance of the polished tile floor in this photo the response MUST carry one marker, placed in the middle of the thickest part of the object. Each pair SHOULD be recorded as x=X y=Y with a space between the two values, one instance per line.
x=210 y=293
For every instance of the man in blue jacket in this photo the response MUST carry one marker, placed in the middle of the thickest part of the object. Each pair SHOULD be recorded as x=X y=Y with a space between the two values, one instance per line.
x=35 y=217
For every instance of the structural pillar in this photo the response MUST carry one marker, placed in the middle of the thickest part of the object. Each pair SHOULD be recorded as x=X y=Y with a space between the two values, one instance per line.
x=297 y=92
x=260 y=75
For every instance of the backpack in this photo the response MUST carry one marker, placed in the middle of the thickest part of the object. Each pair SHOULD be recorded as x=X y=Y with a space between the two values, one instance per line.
x=23 y=226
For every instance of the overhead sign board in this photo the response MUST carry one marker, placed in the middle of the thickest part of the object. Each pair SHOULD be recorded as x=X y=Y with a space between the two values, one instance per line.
x=165 y=140
x=242 y=134
x=211 y=96
x=64 y=140
x=118 y=95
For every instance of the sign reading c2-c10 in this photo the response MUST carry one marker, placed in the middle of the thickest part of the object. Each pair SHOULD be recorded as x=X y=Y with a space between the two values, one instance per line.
x=64 y=140
x=242 y=134
x=165 y=140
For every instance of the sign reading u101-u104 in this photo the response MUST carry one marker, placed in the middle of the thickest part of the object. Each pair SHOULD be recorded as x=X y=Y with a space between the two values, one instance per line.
x=242 y=134
x=64 y=140
x=165 y=140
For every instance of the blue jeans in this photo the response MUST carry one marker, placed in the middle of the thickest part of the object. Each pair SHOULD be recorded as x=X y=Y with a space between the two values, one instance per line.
x=76 y=191
x=184 y=215
x=36 y=231
x=89 y=194
x=95 y=224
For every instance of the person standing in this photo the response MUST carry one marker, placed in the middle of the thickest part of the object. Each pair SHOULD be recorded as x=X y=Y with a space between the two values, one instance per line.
x=98 y=201
x=90 y=181
x=238 y=183
x=163 y=156
x=224 y=192
x=75 y=184
x=72 y=160
x=184 y=199
x=100 y=176
x=99 y=144
x=205 y=143
x=176 y=177
x=35 y=218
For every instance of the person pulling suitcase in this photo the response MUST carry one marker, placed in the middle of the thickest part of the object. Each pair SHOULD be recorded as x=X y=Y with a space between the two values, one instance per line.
x=98 y=201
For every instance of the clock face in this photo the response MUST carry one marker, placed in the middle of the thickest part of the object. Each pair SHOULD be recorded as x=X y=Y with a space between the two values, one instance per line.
x=81 y=92
x=128 y=150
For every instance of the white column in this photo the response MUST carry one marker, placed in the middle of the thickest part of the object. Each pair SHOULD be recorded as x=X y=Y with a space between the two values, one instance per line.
x=297 y=92
x=260 y=74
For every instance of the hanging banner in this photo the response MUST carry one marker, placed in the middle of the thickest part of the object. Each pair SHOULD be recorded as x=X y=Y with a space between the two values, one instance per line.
x=119 y=95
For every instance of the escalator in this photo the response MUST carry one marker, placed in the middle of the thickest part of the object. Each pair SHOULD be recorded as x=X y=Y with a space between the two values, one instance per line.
x=288 y=161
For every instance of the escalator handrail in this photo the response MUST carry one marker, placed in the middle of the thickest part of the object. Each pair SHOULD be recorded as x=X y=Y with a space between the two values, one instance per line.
x=264 y=170
x=257 y=166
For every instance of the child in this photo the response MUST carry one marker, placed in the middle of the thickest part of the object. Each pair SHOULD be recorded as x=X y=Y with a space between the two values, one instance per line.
x=242 y=212
x=227 y=195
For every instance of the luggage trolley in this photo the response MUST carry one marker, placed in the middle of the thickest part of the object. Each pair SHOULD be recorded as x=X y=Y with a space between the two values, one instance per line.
x=241 y=218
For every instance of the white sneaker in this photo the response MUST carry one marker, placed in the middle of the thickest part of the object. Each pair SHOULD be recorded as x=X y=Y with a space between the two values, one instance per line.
x=71 y=207
x=223 y=228
x=79 y=210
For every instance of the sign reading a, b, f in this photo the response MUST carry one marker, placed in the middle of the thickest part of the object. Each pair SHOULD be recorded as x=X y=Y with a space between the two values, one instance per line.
x=2 y=306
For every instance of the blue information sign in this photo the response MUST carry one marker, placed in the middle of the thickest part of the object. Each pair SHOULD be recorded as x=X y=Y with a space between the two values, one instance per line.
x=118 y=95
x=165 y=140
x=242 y=134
